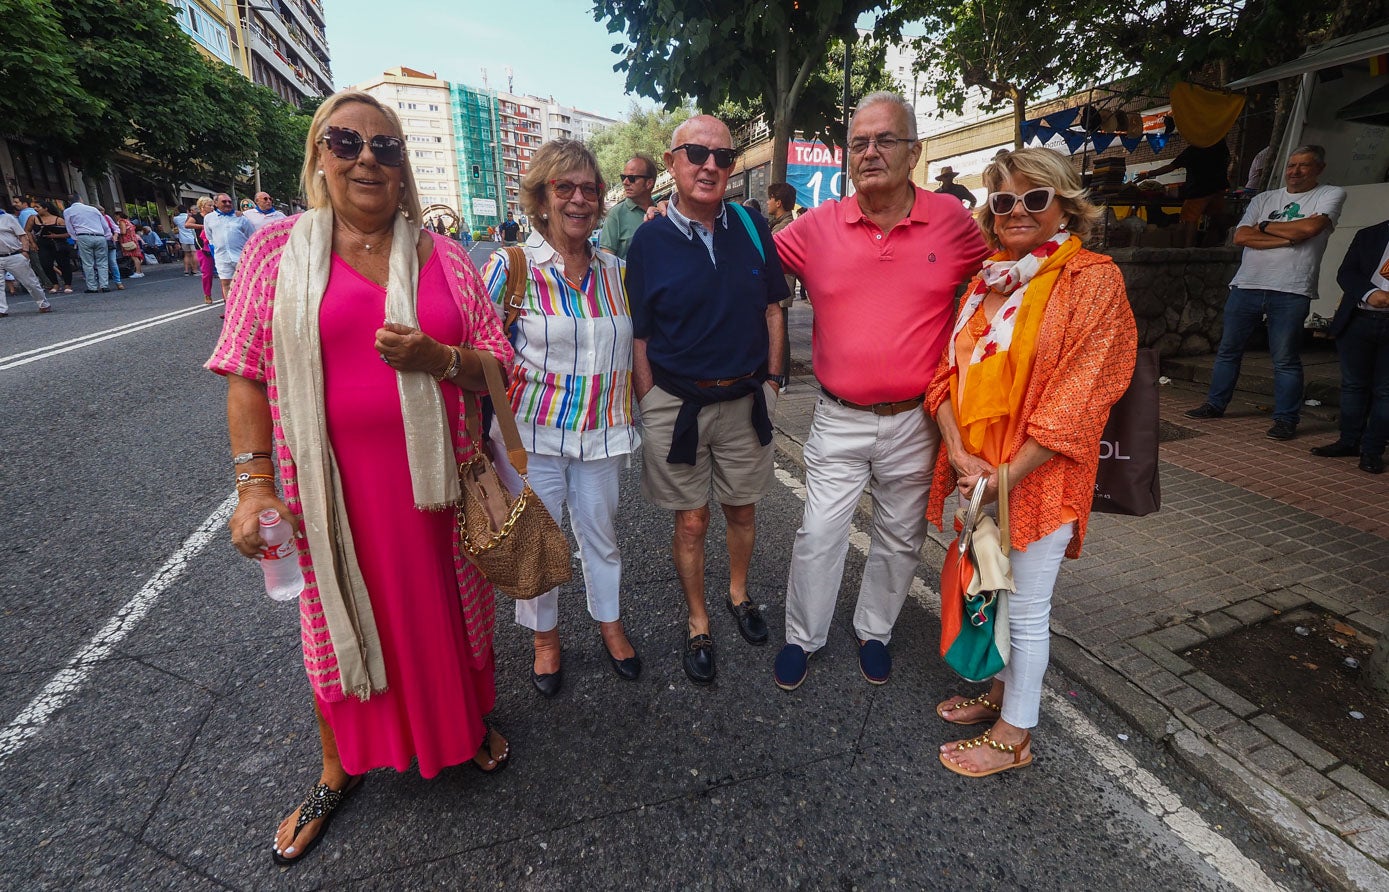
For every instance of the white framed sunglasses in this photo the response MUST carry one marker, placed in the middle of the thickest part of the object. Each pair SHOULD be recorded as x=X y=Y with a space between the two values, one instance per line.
x=1034 y=201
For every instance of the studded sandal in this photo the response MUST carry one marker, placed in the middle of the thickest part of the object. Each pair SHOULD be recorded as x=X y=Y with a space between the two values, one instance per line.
x=321 y=802
x=944 y=711
x=985 y=740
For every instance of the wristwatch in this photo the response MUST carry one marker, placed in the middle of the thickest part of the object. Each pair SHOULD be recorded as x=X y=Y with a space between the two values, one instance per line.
x=778 y=380
x=1263 y=227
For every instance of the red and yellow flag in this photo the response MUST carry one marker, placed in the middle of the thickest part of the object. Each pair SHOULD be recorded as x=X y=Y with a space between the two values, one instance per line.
x=1379 y=64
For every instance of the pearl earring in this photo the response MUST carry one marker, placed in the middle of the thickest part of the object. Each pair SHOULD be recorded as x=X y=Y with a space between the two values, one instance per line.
x=320 y=172
x=1063 y=225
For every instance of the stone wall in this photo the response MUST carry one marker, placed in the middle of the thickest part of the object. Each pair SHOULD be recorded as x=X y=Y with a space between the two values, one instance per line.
x=1178 y=295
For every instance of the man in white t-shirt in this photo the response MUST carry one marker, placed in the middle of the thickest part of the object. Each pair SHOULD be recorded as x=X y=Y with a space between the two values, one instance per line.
x=1284 y=234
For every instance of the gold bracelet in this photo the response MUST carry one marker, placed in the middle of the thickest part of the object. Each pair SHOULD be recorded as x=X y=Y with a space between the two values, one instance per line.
x=455 y=360
x=247 y=484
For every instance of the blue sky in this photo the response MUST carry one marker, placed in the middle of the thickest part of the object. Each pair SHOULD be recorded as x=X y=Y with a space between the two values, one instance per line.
x=554 y=47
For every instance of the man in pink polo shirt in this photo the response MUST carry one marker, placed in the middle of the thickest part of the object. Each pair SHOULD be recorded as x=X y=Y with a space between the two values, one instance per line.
x=884 y=266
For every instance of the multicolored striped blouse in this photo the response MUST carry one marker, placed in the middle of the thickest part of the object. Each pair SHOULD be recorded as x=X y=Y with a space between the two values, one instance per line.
x=572 y=388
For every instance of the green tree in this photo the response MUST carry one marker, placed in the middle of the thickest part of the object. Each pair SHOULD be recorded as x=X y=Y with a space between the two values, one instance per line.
x=645 y=130
x=714 y=50
x=1009 y=50
x=42 y=93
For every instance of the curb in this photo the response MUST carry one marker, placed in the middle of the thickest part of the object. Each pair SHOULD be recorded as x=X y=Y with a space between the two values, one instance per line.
x=1314 y=838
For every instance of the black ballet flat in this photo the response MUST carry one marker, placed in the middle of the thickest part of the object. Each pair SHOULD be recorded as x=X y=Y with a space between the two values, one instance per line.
x=549 y=683
x=629 y=669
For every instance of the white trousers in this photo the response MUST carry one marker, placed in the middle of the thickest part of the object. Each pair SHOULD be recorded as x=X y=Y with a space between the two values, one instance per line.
x=18 y=266
x=589 y=489
x=1029 y=625
x=846 y=450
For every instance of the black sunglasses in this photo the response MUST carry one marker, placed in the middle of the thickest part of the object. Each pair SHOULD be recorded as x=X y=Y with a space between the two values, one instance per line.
x=698 y=154
x=346 y=143
x=633 y=177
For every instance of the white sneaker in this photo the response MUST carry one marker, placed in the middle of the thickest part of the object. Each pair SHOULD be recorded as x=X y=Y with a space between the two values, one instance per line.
x=136 y=276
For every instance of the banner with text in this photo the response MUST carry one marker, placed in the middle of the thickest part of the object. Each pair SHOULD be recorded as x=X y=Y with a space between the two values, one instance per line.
x=812 y=168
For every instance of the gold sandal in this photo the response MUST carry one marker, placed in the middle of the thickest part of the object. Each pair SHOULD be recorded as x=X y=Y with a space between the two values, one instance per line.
x=982 y=700
x=985 y=740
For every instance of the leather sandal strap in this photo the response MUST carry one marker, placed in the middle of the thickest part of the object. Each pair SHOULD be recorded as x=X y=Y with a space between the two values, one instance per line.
x=319 y=803
x=982 y=700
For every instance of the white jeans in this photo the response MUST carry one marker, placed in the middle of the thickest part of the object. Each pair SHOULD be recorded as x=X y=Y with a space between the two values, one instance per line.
x=589 y=488
x=18 y=266
x=1029 y=625
x=847 y=449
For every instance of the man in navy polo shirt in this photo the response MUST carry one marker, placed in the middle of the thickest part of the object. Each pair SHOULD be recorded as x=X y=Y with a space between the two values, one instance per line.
x=704 y=284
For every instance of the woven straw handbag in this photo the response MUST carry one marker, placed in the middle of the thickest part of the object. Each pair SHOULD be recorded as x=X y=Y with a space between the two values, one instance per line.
x=513 y=540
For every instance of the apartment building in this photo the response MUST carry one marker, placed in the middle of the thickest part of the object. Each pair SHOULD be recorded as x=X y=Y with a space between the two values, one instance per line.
x=562 y=121
x=521 y=125
x=214 y=30
x=476 y=124
x=424 y=104
x=285 y=46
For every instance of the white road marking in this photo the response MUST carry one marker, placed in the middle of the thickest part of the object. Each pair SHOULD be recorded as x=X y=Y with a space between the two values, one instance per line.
x=1152 y=794
x=87 y=340
x=1158 y=800
x=61 y=688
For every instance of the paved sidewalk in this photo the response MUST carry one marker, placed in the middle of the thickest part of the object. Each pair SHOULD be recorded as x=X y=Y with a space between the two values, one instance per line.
x=1249 y=527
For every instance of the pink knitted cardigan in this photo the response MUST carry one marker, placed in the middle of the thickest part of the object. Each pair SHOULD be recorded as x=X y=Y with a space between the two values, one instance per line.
x=245 y=349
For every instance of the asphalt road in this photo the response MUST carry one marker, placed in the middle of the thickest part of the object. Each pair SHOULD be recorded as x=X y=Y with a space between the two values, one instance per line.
x=157 y=721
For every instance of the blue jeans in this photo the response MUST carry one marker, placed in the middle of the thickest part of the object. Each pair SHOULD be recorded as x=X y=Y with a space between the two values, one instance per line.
x=111 y=255
x=1245 y=308
x=1364 y=352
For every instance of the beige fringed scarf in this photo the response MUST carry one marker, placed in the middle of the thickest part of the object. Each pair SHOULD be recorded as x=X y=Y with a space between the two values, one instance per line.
x=303 y=278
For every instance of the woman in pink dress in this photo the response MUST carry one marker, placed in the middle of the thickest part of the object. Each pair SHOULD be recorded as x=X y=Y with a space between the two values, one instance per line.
x=348 y=350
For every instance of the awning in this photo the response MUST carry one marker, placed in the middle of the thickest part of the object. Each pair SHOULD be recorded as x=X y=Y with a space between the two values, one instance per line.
x=1334 y=52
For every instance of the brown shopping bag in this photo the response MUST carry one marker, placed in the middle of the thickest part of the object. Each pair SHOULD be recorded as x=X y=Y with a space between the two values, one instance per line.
x=1127 y=482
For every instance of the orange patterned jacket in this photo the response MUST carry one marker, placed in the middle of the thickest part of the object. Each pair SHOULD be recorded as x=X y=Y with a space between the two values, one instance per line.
x=1085 y=357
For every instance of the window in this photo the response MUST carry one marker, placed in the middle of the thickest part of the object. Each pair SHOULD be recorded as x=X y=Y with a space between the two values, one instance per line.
x=433 y=107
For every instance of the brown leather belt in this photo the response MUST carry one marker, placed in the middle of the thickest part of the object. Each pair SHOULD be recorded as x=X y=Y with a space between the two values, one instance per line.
x=722 y=382
x=896 y=408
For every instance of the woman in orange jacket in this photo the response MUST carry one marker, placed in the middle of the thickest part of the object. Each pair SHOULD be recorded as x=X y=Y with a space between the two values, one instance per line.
x=1043 y=346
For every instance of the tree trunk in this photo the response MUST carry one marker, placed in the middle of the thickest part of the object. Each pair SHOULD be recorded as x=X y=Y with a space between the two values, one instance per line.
x=1019 y=113
x=1282 y=111
x=781 y=147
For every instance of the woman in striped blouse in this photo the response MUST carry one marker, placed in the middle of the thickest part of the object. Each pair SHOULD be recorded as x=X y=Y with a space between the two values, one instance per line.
x=572 y=389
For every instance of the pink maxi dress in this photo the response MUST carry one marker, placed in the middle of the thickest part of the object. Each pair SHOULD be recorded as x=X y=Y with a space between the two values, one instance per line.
x=432 y=712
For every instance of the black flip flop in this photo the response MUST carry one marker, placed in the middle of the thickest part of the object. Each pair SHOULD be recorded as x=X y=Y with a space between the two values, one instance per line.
x=501 y=761
x=321 y=802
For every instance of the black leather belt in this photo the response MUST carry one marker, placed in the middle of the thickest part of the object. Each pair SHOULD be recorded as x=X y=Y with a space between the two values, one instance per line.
x=896 y=408
x=722 y=382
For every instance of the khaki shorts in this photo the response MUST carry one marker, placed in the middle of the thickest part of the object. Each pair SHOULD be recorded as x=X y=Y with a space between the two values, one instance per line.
x=729 y=456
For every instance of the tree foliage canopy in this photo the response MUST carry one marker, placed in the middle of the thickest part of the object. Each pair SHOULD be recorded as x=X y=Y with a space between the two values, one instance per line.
x=646 y=131
x=85 y=79
x=1009 y=50
x=760 y=53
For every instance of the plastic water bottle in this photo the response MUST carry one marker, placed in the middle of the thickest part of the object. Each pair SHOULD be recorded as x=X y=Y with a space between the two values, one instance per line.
x=280 y=559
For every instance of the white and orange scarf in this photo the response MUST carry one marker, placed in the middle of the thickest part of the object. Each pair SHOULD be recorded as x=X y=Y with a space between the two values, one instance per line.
x=1000 y=365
